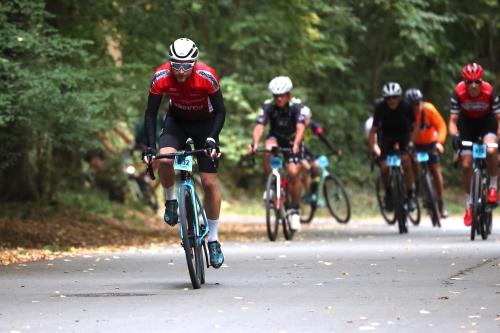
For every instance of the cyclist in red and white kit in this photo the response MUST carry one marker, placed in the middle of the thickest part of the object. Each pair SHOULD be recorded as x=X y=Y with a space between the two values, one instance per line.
x=475 y=111
x=196 y=111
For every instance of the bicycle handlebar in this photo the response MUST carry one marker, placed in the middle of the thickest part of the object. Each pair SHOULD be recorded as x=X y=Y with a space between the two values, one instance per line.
x=172 y=156
x=458 y=152
x=275 y=150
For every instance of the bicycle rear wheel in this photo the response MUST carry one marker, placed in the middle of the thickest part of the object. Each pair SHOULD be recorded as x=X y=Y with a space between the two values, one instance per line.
x=189 y=242
x=390 y=217
x=430 y=199
x=414 y=215
x=399 y=197
x=272 y=214
x=336 y=198
x=475 y=195
x=287 y=230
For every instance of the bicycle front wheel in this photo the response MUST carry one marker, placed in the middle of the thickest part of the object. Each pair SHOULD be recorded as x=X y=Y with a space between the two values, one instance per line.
x=475 y=195
x=399 y=196
x=272 y=214
x=390 y=217
x=430 y=199
x=189 y=242
x=336 y=198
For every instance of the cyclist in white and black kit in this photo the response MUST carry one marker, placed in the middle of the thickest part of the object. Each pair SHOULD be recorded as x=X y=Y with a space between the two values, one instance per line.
x=396 y=118
x=287 y=126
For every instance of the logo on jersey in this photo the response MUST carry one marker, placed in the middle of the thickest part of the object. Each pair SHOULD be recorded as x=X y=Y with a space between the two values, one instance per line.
x=210 y=77
x=159 y=75
x=475 y=106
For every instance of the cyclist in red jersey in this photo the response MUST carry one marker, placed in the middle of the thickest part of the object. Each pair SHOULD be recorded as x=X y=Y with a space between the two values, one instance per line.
x=475 y=111
x=196 y=111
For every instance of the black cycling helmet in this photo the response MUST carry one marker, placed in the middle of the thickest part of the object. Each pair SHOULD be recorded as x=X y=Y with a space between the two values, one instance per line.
x=414 y=95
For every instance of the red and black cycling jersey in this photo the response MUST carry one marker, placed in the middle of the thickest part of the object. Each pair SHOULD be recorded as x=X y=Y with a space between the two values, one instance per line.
x=188 y=100
x=474 y=107
x=198 y=98
x=283 y=120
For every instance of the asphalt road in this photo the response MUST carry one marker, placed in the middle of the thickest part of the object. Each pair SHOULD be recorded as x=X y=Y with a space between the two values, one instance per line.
x=332 y=278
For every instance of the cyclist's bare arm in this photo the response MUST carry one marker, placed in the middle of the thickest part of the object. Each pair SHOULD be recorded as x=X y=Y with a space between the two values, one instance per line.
x=452 y=125
x=415 y=131
x=299 y=136
x=257 y=134
x=371 y=138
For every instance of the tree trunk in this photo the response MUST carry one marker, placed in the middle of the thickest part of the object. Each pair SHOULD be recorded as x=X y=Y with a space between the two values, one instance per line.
x=16 y=180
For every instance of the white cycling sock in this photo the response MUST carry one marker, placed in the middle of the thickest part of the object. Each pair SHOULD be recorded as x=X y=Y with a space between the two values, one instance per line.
x=468 y=200
x=169 y=193
x=493 y=182
x=213 y=230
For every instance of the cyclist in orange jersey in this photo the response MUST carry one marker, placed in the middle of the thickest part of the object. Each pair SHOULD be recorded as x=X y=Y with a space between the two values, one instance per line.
x=430 y=139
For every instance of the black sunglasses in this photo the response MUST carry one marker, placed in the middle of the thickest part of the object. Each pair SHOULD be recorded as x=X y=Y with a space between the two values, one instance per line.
x=391 y=97
x=185 y=66
x=468 y=82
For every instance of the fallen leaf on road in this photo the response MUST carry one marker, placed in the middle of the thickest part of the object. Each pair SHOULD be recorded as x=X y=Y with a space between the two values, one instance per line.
x=453 y=264
x=483 y=308
x=116 y=257
x=374 y=264
x=282 y=256
x=349 y=321
x=171 y=263
x=344 y=273
x=400 y=271
x=455 y=278
x=318 y=284
x=454 y=292
x=243 y=308
x=474 y=316
x=474 y=324
x=407 y=248
x=424 y=311
x=363 y=318
x=98 y=259
x=462 y=327
x=237 y=297
x=443 y=297
x=328 y=263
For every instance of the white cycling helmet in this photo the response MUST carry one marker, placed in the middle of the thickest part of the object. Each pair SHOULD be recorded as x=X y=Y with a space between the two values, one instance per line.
x=280 y=85
x=183 y=49
x=391 y=89
x=306 y=112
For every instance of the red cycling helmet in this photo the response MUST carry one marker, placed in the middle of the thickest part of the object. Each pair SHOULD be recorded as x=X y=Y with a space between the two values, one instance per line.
x=472 y=72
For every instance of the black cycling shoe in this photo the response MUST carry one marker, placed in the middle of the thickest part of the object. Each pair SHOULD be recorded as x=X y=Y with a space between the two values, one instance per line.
x=171 y=217
x=388 y=203
x=411 y=204
x=216 y=256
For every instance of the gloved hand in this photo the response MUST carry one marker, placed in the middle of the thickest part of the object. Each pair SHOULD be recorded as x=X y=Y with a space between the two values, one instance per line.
x=211 y=145
x=456 y=142
x=150 y=151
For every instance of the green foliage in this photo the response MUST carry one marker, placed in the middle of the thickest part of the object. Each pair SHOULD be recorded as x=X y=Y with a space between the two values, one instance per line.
x=60 y=85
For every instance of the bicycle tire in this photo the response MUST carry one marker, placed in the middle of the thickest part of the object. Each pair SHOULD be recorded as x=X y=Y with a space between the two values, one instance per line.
x=415 y=215
x=202 y=253
x=430 y=199
x=399 y=196
x=334 y=192
x=475 y=193
x=272 y=214
x=189 y=243
x=379 y=188
x=287 y=230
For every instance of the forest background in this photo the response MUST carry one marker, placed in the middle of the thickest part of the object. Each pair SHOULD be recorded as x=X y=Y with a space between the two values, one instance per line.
x=73 y=70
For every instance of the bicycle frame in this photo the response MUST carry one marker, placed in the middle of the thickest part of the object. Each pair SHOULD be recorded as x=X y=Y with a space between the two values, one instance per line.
x=187 y=183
